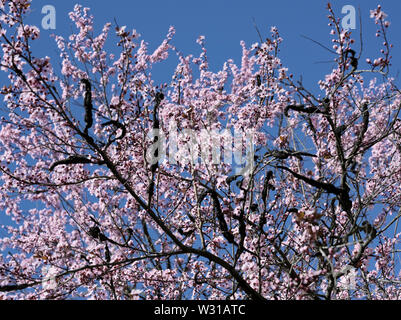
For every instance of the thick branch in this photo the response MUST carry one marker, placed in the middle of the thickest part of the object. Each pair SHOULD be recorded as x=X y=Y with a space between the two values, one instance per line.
x=328 y=187
x=303 y=109
x=73 y=160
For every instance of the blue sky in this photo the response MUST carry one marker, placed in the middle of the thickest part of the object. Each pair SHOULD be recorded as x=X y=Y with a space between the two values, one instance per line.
x=225 y=23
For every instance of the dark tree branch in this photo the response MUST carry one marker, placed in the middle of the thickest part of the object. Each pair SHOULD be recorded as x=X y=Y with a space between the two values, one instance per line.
x=74 y=160
x=88 y=105
x=284 y=154
x=365 y=124
x=328 y=187
x=16 y=287
x=118 y=125
x=302 y=108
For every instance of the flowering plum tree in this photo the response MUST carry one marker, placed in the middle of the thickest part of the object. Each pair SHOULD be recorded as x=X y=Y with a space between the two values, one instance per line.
x=236 y=184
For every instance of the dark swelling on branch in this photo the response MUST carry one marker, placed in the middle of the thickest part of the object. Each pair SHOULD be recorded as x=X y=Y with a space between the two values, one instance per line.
x=302 y=108
x=156 y=126
x=328 y=187
x=107 y=254
x=266 y=187
x=88 y=105
x=361 y=135
x=232 y=178
x=74 y=160
x=220 y=217
x=17 y=71
x=95 y=233
x=341 y=193
x=369 y=230
x=15 y=287
x=219 y=213
x=353 y=59
x=117 y=125
x=284 y=154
